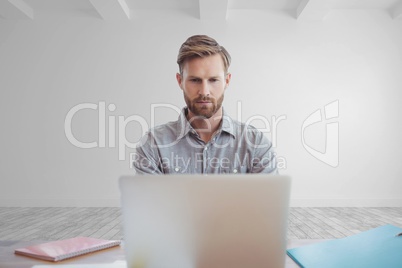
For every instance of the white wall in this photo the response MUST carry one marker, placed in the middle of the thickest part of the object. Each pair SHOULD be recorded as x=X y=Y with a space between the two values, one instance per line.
x=281 y=67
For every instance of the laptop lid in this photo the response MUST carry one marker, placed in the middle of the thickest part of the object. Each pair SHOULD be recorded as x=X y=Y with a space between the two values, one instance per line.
x=197 y=221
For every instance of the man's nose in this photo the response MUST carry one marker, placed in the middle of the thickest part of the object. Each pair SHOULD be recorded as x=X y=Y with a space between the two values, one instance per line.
x=204 y=89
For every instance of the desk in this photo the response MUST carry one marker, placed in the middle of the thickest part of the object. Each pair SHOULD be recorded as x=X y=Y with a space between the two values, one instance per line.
x=10 y=260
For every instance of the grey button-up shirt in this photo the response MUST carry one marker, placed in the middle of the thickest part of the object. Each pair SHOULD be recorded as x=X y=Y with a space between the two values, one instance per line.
x=176 y=147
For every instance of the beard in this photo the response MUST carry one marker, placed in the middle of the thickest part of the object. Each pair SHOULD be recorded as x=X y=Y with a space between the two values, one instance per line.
x=206 y=110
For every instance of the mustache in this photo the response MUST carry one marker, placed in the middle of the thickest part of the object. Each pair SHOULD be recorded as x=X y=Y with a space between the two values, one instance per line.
x=204 y=98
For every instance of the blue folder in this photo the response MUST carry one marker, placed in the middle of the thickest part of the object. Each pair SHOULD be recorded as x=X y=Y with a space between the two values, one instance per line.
x=376 y=248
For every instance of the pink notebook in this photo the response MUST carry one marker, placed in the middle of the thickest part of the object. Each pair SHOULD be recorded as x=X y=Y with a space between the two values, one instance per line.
x=64 y=249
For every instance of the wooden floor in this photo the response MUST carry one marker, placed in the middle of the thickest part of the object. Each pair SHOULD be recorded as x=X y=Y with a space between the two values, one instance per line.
x=304 y=223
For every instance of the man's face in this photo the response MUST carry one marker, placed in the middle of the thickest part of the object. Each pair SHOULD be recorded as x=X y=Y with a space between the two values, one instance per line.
x=203 y=82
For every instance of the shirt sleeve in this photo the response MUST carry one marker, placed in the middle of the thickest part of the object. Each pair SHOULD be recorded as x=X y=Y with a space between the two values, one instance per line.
x=264 y=156
x=146 y=160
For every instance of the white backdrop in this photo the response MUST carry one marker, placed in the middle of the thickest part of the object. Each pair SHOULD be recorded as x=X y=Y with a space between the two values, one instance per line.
x=282 y=68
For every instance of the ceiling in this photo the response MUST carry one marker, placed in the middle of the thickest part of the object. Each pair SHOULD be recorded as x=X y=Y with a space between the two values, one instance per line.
x=123 y=9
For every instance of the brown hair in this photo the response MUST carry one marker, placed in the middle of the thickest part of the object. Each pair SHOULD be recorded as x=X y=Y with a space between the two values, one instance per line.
x=201 y=46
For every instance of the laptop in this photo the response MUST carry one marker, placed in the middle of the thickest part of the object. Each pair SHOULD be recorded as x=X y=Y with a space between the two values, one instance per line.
x=198 y=221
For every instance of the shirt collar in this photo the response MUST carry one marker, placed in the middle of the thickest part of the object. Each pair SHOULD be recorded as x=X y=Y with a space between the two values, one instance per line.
x=184 y=126
x=228 y=124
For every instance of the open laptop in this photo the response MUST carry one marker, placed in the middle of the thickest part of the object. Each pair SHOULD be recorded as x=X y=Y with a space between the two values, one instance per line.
x=197 y=221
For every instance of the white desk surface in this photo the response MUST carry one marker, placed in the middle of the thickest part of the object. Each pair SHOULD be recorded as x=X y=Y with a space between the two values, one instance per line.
x=108 y=256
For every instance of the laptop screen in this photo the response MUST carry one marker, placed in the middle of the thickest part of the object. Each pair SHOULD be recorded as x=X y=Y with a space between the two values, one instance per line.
x=205 y=221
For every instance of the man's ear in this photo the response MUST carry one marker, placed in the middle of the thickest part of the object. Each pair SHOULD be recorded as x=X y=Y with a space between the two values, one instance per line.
x=179 y=79
x=227 y=79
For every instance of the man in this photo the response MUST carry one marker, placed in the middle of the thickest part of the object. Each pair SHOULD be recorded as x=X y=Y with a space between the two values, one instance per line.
x=204 y=139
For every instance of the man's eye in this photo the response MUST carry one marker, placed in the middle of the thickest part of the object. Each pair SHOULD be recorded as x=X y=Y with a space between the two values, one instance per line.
x=213 y=80
x=195 y=80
